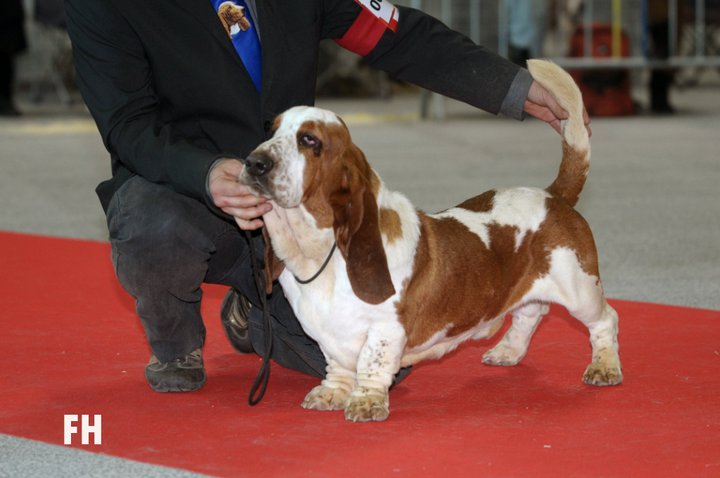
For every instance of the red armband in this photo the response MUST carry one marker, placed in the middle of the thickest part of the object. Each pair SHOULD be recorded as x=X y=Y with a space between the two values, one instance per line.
x=376 y=16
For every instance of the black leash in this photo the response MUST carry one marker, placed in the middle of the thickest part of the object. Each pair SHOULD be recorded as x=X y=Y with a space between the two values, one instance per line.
x=257 y=390
x=322 y=267
x=259 y=386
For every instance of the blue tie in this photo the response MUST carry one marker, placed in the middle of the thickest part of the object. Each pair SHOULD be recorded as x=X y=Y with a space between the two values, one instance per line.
x=240 y=27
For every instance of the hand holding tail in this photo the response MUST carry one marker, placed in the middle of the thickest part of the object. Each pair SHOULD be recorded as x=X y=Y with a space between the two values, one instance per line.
x=559 y=89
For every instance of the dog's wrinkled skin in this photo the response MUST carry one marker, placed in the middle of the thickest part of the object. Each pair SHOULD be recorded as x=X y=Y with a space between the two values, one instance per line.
x=404 y=286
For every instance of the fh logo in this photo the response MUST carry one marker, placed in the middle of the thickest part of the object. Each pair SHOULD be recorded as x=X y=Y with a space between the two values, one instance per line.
x=85 y=429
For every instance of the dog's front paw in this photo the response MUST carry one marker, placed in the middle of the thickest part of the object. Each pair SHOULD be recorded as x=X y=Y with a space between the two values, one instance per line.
x=367 y=406
x=325 y=398
x=601 y=374
x=503 y=355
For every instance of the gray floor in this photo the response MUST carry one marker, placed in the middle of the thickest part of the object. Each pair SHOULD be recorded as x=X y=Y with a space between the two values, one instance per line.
x=20 y=458
x=652 y=199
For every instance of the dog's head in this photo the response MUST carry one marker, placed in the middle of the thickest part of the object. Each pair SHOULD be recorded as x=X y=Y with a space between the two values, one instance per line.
x=232 y=14
x=311 y=162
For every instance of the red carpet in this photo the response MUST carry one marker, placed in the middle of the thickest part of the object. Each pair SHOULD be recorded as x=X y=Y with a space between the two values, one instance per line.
x=71 y=344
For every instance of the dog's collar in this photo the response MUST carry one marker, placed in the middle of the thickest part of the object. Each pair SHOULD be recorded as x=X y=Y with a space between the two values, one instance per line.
x=322 y=267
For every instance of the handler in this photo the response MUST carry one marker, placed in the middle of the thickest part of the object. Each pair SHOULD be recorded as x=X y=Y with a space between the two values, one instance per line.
x=181 y=89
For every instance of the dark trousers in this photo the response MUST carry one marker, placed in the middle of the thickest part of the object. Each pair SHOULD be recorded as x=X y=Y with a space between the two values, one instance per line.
x=660 y=79
x=165 y=245
x=7 y=72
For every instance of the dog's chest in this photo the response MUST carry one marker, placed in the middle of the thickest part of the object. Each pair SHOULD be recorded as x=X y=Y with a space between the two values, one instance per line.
x=333 y=315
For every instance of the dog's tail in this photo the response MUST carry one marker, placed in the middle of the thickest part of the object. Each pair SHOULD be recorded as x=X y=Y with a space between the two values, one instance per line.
x=576 y=142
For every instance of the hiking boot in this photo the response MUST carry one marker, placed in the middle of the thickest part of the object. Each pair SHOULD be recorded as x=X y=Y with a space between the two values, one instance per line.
x=184 y=374
x=234 y=317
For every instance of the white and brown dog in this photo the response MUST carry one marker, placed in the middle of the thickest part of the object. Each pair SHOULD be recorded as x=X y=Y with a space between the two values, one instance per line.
x=382 y=297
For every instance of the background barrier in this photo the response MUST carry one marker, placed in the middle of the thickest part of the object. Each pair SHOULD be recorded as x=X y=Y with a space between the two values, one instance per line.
x=644 y=35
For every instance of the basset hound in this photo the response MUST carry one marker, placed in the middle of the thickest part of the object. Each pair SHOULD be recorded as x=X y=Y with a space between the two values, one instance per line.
x=233 y=18
x=366 y=273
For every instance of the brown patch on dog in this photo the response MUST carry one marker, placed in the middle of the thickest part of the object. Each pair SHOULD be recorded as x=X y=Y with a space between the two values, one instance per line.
x=481 y=203
x=571 y=177
x=320 y=209
x=565 y=227
x=319 y=165
x=374 y=182
x=340 y=190
x=273 y=265
x=390 y=225
x=458 y=280
x=357 y=227
x=444 y=256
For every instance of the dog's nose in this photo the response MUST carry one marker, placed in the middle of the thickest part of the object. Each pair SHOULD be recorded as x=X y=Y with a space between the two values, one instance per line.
x=258 y=164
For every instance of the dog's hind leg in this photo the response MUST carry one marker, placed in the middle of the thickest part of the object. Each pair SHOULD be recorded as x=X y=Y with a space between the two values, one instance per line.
x=602 y=322
x=514 y=344
x=582 y=295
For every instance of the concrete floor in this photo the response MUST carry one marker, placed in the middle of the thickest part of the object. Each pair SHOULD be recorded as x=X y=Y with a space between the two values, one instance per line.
x=652 y=196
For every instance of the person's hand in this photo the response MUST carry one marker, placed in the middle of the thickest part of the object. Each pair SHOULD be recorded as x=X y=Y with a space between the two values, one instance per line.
x=542 y=105
x=234 y=198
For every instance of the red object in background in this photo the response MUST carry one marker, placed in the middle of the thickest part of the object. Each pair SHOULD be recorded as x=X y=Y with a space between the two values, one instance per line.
x=606 y=92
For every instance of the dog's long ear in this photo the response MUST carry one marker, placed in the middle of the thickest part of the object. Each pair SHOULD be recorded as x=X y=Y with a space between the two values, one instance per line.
x=273 y=265
x=357 y=231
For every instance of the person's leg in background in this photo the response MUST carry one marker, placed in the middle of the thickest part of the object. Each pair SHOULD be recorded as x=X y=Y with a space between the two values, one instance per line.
x=6 y=79
x=12 y=42
x=661 y=79
x=526 y=29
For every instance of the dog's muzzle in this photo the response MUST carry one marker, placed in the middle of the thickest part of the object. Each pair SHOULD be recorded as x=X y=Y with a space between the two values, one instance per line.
x=256 y=172
x=258 y=165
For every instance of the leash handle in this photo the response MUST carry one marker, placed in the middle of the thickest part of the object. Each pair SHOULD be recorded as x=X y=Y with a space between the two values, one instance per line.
x=257 y=390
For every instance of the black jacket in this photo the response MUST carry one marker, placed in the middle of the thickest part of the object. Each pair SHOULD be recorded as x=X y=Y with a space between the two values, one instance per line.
x=169 y=94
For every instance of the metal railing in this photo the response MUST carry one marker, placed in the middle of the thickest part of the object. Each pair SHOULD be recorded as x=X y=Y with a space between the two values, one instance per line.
x=693 y=38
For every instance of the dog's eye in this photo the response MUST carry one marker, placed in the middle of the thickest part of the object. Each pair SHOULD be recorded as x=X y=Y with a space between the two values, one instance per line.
x=309 y=141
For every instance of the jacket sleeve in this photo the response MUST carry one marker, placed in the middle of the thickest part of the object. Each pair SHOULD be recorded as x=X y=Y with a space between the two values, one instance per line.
x=115 y=79
x=415 y=47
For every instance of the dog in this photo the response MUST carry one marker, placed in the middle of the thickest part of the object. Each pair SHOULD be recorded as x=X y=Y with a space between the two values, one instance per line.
x=380 y=285
x=232 y=15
